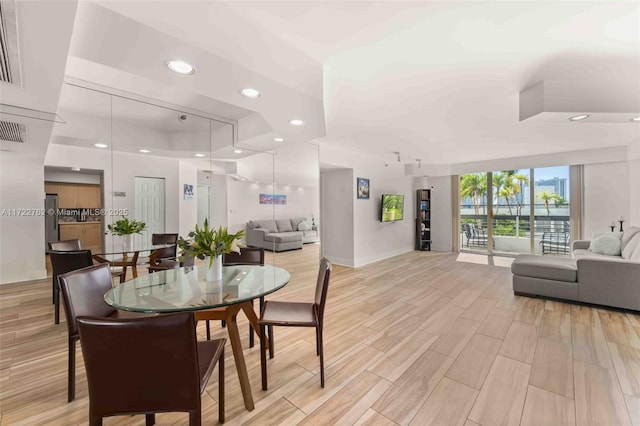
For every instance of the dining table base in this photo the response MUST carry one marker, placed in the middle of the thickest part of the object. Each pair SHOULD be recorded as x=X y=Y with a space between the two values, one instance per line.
x=230 y=314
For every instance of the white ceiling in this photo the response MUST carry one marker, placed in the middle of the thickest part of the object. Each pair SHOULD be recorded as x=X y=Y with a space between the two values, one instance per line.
x=438 y=81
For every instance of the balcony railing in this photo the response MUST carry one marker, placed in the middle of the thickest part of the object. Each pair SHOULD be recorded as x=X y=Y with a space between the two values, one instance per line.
x=551 y=233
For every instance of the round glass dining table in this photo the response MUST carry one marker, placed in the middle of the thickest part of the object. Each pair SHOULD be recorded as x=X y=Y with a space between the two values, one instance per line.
x=185 y=289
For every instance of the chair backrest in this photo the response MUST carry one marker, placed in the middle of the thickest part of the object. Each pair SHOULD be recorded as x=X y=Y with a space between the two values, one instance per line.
x=141 y=364
x=65 y=245
x=162 y=253
x=67 y=261
x=467 y=230
x=164 y=238
x=247 y=256
x=322 y=286
x=83 y=294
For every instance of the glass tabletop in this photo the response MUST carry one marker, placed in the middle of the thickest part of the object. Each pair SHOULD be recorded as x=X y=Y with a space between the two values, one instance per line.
x=185 y=289
x=121 y=248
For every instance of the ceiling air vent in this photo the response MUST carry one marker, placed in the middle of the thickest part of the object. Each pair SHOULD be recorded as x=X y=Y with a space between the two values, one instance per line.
x=9 y=61
x=12 y=132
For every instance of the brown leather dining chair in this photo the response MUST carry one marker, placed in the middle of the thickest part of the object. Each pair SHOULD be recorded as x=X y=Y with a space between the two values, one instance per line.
x=83 y=295
x=247 y=256
x=294 y=314
x=166 y=255
x=65 y=245
x=164 y=238
x=148 y=366
x=67 y=261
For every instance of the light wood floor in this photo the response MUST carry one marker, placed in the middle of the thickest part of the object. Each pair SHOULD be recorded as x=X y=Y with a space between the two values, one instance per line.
x=425 y=338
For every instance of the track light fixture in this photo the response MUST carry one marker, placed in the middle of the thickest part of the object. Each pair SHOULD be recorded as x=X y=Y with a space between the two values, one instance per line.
x=419 y=162
x=397 y=153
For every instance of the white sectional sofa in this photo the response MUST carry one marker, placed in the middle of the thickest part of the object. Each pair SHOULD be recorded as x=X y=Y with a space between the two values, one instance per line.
x=280 y=234
x=589 y=277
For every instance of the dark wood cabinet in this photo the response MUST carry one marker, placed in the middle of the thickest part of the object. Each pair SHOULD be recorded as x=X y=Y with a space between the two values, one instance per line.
x=423 y=219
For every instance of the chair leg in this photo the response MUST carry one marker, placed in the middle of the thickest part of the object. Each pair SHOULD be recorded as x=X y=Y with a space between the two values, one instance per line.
x=223 y=323
x=71 y=375
x=121 y=278
x=251 y=340
x=56 y=301
x=317 y=341
x=208 y=331
x=263 y=356
x=221 y=387
x=321 y=356
x=95 y=420
x=270 y=328
x=195 y=417
x=150 y=419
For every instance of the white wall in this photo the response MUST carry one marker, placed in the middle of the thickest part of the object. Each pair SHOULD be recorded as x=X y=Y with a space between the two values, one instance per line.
x=441 y=212
x=375 y=240
x=22 y=242
x=606 y=196
x=634 y=192
x=243 y=202
x=71 y=177
x=337 y=218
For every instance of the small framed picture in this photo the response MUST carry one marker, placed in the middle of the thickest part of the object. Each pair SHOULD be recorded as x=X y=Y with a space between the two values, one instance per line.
x=188 y=192
x=362 y=187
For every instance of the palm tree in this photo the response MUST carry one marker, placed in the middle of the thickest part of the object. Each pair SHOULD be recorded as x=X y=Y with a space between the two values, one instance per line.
x=546 y=197
x=521 y=180
x=507 y=193
x=469 y=187
x=500 y=180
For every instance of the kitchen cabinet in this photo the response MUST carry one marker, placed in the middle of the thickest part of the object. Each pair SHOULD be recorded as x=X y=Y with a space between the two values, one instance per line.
x=89 y=233
x=75 y=196
x=50 y=188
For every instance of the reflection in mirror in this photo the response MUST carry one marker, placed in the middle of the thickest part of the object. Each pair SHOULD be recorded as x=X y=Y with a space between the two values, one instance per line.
x=78 y=168
x=153 y=159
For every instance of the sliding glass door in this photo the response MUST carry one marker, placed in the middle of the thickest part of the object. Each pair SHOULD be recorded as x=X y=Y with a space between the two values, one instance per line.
x=516 y=211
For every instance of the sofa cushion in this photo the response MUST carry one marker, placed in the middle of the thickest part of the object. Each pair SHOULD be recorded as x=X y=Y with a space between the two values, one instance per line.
x=283 y=237
x=606 y=244
x=547 y=267
x=582 y=254
x=284 y=225
x=627 y=235
x=295 y=222
x=629 y=250
x=269 y=225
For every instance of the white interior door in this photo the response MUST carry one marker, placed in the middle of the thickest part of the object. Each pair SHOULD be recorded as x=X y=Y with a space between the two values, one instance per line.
x=150 y=205
x=204 y=204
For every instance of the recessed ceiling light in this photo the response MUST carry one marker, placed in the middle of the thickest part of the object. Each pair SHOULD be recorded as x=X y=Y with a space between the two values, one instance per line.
x=100 y=145
x=296 y=122
x=199 y=155
x=635 y=119
x=237 y=151
x=181 y=67
x=144 y=151
x=278 y=139
x=75 y=169
x=579 y=117
x=251 y=93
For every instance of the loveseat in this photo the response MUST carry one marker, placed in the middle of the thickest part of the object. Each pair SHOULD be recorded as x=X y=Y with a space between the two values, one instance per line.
x=280 y=234
x=589 y=276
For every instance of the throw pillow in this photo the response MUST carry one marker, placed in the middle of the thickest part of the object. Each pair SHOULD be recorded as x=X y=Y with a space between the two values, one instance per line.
x=304 y=226
x=631 y=249
x=284 y=225
x=606 y=244
x=627 y=235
